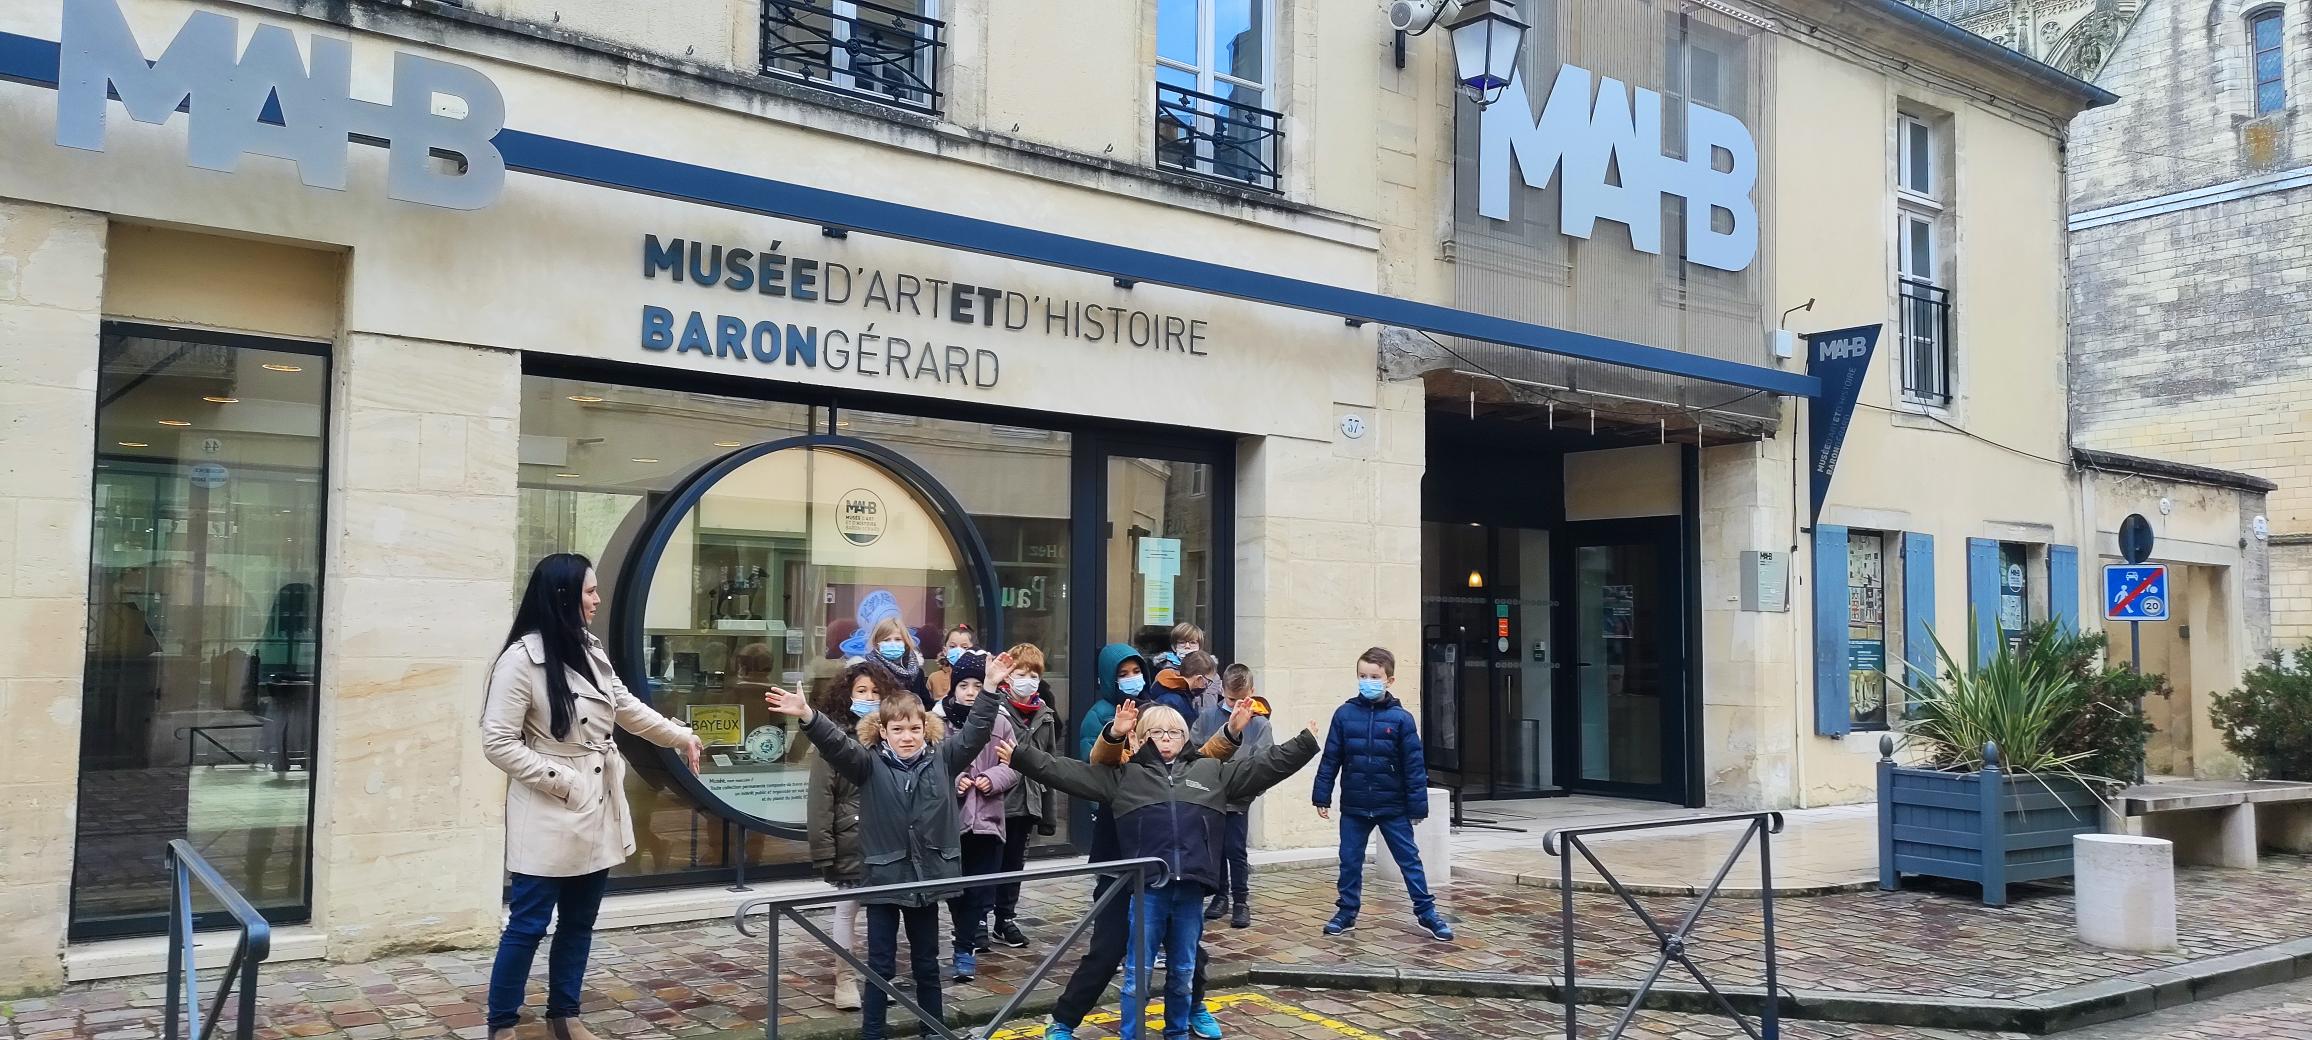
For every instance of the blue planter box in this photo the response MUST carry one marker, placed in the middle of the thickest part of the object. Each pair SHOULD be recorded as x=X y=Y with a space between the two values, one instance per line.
x=1987 y=827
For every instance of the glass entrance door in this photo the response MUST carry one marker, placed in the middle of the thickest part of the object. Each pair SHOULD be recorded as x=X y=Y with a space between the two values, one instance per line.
x=1627 y=659
x=1486 y=704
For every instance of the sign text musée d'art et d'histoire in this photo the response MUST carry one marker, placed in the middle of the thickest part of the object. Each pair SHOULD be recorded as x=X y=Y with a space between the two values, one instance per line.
x=851 y=336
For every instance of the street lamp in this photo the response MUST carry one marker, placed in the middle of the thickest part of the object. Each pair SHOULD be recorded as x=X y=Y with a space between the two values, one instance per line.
x=1486 y=37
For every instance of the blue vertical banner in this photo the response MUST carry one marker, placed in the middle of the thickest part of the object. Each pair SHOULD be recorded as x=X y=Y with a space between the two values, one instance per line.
x=1839 y=359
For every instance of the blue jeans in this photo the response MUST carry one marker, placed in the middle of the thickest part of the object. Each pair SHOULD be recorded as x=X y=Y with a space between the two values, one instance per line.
x=536 y=902
x=1174 y=916
x=1397 y=832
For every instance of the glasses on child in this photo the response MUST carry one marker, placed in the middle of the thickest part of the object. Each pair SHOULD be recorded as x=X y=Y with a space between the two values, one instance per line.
x=1167 y=733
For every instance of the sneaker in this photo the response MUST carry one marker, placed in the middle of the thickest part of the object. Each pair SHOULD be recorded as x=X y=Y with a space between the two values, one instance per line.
x=1009 y=934
x=847 y=993
x=1216 y=909
x=1436 y=927
x=1242 y=918
x=965 y=966
x=1341 y=922
x=1204 y=1025
x=1055 y=1031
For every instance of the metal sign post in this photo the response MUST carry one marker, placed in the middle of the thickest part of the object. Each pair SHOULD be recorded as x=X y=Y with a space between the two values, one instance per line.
x=2135 y=592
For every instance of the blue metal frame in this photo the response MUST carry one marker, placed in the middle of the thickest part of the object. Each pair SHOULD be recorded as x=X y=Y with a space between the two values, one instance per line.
x=30 y=60
x=255 y=943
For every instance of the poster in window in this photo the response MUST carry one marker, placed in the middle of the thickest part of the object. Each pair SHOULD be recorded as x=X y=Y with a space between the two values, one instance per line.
x=717 y=725
x=1620 y=606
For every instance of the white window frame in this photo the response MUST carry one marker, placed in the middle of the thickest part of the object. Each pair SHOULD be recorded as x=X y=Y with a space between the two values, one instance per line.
x=1907 y=130
x=1206 y=69
x=1913 y=209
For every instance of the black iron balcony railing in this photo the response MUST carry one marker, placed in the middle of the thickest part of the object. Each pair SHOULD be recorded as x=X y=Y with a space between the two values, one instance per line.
x=854 y=47
x=1926 y=339
x=1218 y=137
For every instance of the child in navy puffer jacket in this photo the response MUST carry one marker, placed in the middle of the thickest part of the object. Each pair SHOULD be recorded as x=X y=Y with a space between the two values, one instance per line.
x=1374 y=751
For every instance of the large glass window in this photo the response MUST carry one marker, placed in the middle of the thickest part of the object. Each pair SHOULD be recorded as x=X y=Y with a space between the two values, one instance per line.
x=203 y=640
x=762 y=605
x=1159 y=553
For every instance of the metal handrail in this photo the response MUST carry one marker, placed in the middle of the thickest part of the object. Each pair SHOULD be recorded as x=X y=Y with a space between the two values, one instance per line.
x=1218 y=137
x=1672 y=942
x=1925 y=319
x=254 y=945
x=1142 y=874
x=876 y=52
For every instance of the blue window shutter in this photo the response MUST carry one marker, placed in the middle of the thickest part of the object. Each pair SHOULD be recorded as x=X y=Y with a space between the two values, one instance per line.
x=1918 y=605
x=1983 y=599
x=2063 y=586
x=1833 y=704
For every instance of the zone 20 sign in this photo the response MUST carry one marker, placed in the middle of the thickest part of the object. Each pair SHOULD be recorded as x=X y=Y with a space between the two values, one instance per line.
x=1577 y=140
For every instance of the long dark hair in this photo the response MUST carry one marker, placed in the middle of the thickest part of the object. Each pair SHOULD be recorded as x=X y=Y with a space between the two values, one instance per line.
x=552 y=607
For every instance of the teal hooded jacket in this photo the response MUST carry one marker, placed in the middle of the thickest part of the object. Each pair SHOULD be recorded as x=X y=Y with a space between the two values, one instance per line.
x=1103 y=712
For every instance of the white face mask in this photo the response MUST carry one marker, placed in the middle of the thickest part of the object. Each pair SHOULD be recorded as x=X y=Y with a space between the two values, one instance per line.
x=1024 y=686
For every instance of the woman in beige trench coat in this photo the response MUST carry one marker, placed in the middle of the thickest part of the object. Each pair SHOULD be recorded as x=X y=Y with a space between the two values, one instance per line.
x=554 y=703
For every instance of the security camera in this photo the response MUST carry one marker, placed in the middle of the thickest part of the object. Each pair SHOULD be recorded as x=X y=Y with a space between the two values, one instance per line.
x=1415 y=16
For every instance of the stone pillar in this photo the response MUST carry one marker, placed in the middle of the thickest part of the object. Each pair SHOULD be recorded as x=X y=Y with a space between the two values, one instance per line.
x=2236 y=836
x=51 y=296
x=419 y=591
x=2127 y=891
x=1328 y=563
x=1749 y=676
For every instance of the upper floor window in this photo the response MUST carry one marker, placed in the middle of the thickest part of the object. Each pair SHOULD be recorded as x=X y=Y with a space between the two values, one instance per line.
x=1923 y=294
x=887 y=52
x=1213 y=76
x=1915 y=167
x=2265 y=41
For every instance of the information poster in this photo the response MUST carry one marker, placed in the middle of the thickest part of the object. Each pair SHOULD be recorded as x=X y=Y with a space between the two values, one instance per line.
x=1159 y=565
x=717 y=725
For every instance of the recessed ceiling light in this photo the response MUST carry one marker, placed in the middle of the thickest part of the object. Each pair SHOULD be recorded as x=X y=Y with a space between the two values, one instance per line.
x=727 y=444
x=844 y=423
x=646 y=462
x=175 y=422
x=585 y=398
x=567 y=476
x=222 y=400
x=134 y=444
x=283 y=368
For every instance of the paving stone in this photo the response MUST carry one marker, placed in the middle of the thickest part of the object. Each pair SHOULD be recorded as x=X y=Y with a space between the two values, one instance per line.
x=687 y=979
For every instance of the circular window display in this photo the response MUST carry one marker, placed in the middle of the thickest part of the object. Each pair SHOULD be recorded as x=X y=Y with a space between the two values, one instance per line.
x=772 y=566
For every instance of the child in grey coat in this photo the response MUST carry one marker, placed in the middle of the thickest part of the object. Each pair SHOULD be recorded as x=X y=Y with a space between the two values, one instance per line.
x=1258 y=736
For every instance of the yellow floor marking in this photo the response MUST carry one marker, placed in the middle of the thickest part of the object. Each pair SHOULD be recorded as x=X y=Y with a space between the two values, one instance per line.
x=1222 y=1002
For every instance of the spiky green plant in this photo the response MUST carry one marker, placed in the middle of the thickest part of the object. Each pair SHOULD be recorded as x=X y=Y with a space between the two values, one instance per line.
x=2021 y=701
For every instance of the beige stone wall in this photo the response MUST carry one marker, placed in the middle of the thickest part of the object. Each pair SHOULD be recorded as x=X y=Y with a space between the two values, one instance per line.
x=422 y=536
x=1751 y=676
x=2292 y=592
x=1328 y=563
x=51 y=290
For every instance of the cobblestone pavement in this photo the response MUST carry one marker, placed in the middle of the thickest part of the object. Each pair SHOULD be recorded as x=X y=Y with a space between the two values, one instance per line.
x=2281 y=1012
x=1285 y=1014
x=693 y=979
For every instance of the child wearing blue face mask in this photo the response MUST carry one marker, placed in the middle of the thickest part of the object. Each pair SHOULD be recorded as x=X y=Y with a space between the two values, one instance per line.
x=961 y=642
x=1030 y=808
x=1374 y=750
x=893 y=647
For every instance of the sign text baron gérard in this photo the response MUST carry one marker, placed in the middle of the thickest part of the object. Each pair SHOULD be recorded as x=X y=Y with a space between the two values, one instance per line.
x=226 y=98
x=910 y=348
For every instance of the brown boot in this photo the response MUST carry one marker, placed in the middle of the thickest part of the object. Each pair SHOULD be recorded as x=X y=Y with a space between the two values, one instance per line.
x=569 y=1029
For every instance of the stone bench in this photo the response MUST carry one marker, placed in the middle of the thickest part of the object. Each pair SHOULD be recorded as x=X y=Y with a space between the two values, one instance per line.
x=2221 y=823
